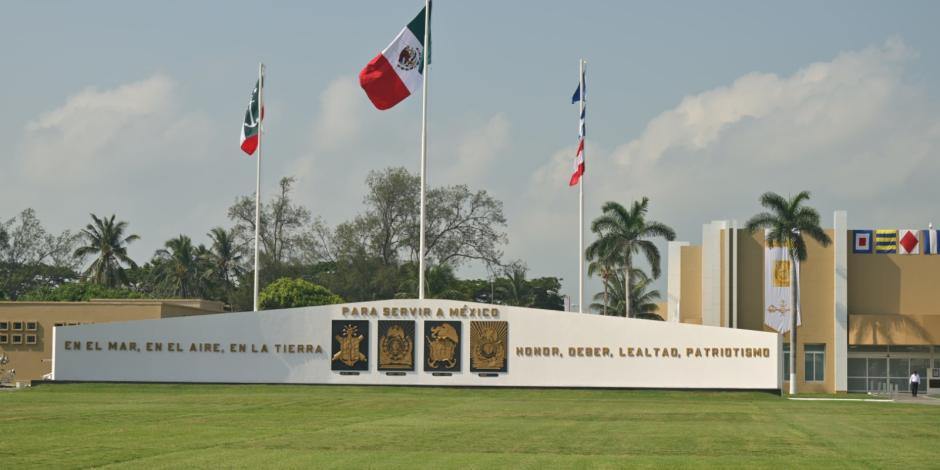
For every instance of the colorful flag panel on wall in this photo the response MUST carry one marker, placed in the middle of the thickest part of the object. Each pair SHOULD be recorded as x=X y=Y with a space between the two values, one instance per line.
x=908 y=243
x=886 y=241
x=862 y=241
x=930 y=242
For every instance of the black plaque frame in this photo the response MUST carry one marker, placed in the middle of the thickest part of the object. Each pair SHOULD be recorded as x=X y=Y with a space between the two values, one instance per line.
x=476 y=343
x=408 y=326
x=438 y=366
x=335 y=359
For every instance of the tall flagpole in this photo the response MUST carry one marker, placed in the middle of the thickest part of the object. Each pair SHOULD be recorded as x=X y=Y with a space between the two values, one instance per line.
x=581 y=193
x=424 y=141
x=258 y=177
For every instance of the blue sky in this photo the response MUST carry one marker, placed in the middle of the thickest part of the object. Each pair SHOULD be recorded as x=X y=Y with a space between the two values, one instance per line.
x=133 y=109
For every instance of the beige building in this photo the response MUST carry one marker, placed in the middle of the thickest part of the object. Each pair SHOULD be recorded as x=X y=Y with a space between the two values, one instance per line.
x=868 y=320
x=26 y=327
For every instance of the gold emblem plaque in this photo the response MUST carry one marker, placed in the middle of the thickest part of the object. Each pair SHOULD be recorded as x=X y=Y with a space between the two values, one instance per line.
x=396 y=345
x=488 y=346
x=442 y=347
x=350 y=345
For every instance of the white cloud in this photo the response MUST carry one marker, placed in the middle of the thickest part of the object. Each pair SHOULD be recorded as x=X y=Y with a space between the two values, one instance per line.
x=340 y=117
x=134 y=151
x=855 y=131
x=74 y=139
x=478 y=148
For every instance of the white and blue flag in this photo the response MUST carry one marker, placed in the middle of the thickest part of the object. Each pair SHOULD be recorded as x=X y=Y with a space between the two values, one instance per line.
x=930 y=242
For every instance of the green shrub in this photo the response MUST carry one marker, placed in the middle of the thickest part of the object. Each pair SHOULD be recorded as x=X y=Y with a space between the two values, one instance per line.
x=289 y=293
x=80 y=292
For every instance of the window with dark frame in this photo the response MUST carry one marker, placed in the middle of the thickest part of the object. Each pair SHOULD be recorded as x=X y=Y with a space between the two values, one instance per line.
x=17 y=339
x=814 y=368
x=31 y=326
x=4 y=325
x=30 y=339
x=17 y=326
x=4 y=338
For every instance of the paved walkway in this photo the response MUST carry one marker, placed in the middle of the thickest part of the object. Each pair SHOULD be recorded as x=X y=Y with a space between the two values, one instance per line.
x=920 y=400
x=898 y=398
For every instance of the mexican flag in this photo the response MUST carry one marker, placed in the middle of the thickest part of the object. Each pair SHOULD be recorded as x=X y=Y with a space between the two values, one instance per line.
x=398 y=71
x=249 y=142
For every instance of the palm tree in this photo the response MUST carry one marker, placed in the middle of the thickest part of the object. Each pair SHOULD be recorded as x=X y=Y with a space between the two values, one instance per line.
x=224 y=259
x=786 y=224
x=605 y=270
x=513 y=288
x=176 y=267
x=642 y=301
x=105 y=239
x=623 y=234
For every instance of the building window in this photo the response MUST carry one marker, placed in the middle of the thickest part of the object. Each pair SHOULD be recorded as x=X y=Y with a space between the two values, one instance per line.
x=815 y=363
x=30 y=339
x=17 y=326
x=786 y=362
x=4 y=325
x=4 y=338
x=17 y=339
x=59 y=323
x=31 y=326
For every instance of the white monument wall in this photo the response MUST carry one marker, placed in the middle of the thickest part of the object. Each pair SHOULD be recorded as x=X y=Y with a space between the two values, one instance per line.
x=206 y=349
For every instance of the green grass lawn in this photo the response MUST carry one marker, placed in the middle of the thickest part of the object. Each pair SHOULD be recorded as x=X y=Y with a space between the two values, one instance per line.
x=211 y=426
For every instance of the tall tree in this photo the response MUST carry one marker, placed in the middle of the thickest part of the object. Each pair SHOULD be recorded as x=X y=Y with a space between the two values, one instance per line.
x=622 y=234
x=643 y=300
x=513 y=288
x=462 y=225
x=31 y=258
x=391 y=211
x=284 y=226
x=787 y=221
x=605 y=270
x=105 y=239
x=176 y=267
x=224 y=260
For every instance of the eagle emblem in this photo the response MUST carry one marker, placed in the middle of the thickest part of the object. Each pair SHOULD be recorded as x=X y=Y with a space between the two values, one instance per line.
x=395 y=349
x=442 y=346
x=349 y=352
x=409 y=58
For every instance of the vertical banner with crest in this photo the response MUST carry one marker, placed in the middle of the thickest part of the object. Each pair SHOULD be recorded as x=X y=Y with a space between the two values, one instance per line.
x=778 y=297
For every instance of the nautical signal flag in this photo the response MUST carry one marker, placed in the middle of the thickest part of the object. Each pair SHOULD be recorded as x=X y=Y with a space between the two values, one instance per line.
x=579 y=156
x=398 y=71
x=886 y=241
x=908 y=244
x=578 y=165
x=252 y=125
x=862 y=241
x=930 y=242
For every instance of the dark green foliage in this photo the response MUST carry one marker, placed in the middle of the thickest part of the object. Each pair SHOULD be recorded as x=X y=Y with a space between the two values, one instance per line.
x=290 y=293
x=621 y=236
x=104 y=239
x=788 y=222
x=80 y=292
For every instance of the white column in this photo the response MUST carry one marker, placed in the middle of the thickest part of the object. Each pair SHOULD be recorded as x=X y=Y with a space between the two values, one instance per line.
x=711 y=272
x=734 y=273
x=841 y=318
x=674 y=280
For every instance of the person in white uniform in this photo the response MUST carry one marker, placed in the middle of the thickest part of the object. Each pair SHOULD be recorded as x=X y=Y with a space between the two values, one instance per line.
x=915 y=382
